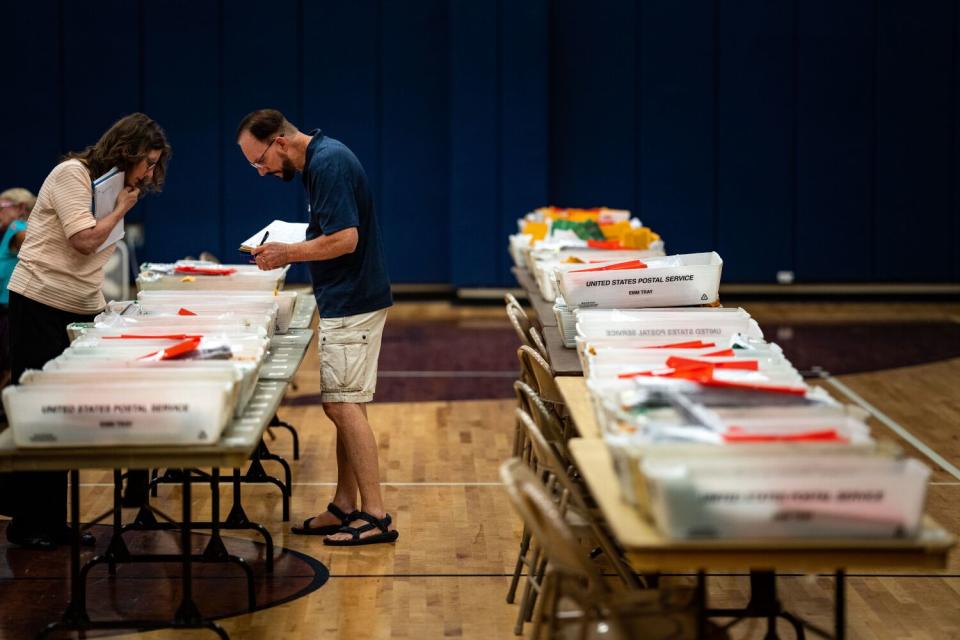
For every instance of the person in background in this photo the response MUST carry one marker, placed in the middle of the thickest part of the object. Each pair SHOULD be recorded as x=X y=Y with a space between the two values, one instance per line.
x=59 y=280
x=21 y=199
x=15 y=205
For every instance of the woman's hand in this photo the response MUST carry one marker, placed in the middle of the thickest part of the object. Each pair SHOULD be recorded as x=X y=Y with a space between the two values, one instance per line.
x=126 y=199
x=89 y=240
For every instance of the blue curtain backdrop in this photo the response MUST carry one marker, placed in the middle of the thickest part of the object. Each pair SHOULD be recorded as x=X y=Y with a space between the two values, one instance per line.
x=818 y=136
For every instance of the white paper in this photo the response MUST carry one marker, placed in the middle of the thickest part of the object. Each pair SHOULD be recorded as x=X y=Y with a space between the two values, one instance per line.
x=106 y=189
x=280 y=231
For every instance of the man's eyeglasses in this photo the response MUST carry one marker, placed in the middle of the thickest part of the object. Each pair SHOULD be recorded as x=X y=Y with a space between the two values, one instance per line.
x=258 y=163
x=152 y=163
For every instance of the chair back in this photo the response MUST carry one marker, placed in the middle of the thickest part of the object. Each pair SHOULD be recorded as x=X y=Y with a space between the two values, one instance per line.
x=546 y=386
x=526 y=371
x=547 y=525
x=647 y=613
x=539 y=343
x=511 y=301
x=522 y=448
x=520 y=324
x=546 y=422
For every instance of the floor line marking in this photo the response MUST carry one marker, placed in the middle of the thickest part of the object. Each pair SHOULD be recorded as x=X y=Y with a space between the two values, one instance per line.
x=333 y=484
x=894 y=426
x=426 y=484
x=409 y=484
x=447 y=374
x=726 y=574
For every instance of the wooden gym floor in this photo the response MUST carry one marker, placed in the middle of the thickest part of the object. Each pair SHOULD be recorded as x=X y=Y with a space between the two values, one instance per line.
x=444 y=424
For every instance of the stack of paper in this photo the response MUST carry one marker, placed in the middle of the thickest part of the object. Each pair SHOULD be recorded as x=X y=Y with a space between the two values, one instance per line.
x=106 y=189
x=276 y=231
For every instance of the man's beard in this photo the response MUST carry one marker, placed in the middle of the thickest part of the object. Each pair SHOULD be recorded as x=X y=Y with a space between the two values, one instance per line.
x=288 y=172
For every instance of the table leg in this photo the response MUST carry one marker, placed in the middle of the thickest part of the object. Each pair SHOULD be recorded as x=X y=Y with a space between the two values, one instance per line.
x=75 y=615
x=256 y=474
x=215 y=502
x=216 y=550
x=77 y=609
x=237 y=519
x=840 y=605
x=188 y=614
x=277 y=422
x=118 y=548
x=263 y=453
x=76 y=618
x=701 y=598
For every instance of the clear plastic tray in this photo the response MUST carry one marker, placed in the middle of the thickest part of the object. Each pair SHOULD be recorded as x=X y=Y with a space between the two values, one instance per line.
x=666 y=326
x=247 y=278
x=566 y=323
x=207 y=310
x=226 y=321
x=671 y=281
x=786 y=497
x=224 y=375
x=117 y=414
x=285 y=300
x=247 y=370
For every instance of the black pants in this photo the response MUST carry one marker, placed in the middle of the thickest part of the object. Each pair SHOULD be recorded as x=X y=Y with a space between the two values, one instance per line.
x=37 y=500
x=5 y=378
x=4 y=338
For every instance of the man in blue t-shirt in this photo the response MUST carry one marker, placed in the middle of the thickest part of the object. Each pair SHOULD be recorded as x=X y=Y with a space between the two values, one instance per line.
x=349 y=273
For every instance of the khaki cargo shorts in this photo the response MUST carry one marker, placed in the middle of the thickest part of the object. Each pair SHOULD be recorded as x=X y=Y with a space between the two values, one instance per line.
x=349 y=350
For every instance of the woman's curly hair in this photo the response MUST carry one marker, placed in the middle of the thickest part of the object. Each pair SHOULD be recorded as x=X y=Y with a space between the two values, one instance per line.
x=124 y=145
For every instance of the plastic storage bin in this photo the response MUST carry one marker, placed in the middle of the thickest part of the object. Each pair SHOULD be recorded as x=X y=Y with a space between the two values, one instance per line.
x=285 y=300
x=225 y=321
x=183 y=375
x=786 y=497
x=689 y=279
x=154 y=310
x=566 y=323
x=247 y=370
x=156 y=276
x=518 y=243
x=665 y=326
x=117 y=414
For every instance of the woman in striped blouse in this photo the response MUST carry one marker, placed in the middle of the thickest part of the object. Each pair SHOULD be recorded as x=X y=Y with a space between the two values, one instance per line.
x=59 y=280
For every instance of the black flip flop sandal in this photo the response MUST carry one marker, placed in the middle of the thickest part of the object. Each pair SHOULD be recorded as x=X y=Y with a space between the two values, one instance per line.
x=326 y=530
x=383 y=524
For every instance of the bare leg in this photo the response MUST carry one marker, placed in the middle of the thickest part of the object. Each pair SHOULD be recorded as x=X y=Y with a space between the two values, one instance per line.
x=346 y=493
x=360 y=446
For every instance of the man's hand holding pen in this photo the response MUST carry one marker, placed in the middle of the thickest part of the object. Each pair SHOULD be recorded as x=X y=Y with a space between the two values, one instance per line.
x=272 y=255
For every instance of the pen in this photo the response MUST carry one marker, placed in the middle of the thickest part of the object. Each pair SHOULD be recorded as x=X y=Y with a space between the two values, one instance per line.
x=264 y=238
